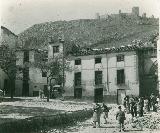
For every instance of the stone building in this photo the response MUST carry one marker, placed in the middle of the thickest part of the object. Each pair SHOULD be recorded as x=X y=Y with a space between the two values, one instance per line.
x=120 y=14
x=132 y=17
x=97 y=74
x=110 y=74
x=9 y=39
x=135 y=11
x=33 y=79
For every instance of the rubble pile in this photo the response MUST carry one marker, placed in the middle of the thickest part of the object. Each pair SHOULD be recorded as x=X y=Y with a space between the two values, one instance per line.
x=150 y=121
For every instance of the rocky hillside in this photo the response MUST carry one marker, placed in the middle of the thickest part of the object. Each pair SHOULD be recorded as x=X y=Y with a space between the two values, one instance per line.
x=88 y=32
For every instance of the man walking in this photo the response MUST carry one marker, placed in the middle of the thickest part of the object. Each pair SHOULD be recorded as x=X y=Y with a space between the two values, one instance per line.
x=120 y=116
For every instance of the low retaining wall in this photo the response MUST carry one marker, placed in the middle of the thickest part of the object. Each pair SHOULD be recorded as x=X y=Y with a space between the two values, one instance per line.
x=109 y=99
x=42 y=122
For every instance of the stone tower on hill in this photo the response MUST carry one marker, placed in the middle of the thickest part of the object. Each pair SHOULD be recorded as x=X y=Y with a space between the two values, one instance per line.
x=135 y=11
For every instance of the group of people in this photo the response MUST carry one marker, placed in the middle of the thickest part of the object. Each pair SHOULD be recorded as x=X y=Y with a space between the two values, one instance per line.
x=137 y=106
x=97 y=111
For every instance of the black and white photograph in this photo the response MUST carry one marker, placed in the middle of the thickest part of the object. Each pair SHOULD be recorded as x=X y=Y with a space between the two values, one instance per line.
x=79 y=66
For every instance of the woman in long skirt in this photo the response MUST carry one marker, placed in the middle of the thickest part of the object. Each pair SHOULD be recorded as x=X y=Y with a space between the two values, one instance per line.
x=96 y=115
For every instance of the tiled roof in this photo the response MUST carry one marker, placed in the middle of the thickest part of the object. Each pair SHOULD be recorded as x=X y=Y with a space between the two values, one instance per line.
x=133 y=47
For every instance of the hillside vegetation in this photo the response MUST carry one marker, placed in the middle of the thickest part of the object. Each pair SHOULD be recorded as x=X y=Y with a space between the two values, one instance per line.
x=88 y=33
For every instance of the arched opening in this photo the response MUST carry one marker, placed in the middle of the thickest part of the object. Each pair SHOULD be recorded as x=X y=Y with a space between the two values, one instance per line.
x=154 y=69
x=150 y=81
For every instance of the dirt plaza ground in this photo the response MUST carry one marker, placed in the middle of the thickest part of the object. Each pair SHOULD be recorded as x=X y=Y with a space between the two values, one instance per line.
x=112 y=125
x=23 y=108
x=30 y=107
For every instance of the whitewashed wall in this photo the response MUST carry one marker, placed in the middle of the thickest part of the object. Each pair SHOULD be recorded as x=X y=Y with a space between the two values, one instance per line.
x=88 y=68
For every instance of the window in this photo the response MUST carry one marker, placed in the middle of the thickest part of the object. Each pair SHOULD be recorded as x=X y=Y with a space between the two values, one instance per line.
x=98 y=60
x=77 y=79
x=98 y=77
x=120 y=58
x=45 y=57
x=26 y=56
x=55 y=49
x=35 y=93
x=44 y=74
x=26 y=74
x=78 y=62
x=120 y=76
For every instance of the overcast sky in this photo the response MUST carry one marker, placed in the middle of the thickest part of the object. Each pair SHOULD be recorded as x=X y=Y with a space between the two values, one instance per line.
x=17 y=15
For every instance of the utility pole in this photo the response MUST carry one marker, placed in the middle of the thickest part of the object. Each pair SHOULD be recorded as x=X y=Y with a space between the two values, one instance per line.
x=107 y=75
x=62 y=41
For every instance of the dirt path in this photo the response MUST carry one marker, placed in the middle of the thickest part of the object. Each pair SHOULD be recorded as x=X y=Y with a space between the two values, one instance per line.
x=111 y=127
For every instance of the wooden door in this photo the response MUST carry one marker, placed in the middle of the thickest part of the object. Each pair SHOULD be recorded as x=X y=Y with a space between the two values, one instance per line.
x=78 y=92
x=98 y=95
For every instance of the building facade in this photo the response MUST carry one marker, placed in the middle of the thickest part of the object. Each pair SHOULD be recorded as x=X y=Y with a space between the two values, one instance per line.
x=97 y=74
x=109 y=74
x=32 y=79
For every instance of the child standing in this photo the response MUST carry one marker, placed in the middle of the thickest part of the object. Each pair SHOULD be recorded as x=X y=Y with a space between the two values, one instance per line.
x=120 y=116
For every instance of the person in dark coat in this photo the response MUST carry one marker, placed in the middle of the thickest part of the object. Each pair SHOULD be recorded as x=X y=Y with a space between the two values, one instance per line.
x=120 y=116
x=96 y=115
x=131 y=100
x=133 y=108
x=153 y=101
x=124 y=102
x=128 y=106
x=140 y=106
x=105 y=110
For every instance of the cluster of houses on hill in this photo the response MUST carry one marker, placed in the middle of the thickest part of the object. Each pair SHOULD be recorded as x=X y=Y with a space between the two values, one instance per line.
x=107 y=74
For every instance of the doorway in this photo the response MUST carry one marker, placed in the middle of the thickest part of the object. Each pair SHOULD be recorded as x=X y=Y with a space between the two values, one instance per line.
x=121 y=93
x=78 y=92
x=98 y=95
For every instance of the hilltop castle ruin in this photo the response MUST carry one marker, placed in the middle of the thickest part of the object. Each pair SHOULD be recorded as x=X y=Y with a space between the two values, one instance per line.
x=134 y=15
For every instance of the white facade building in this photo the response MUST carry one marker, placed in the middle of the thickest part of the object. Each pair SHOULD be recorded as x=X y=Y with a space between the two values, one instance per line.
x=116 y=72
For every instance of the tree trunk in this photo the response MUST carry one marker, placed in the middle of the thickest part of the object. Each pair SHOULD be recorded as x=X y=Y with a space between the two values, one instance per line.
x=48 y=91
x=11 y=88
